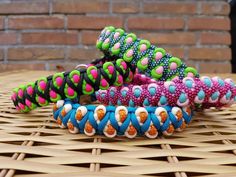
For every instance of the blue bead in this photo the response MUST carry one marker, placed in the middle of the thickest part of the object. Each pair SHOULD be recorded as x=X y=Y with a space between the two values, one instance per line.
x=221 y=82
x=182 y=98
x=207 y=81
x=189 y=83
x=172 y=89
x=131 y=103
x=118 y=102
x=152 y=91
x=123 y=93
x=146 y=102
x=215 y=95
x=137 y=93
x=228 y=95
x=112 y=94
x=201 y=95
x=163 y=100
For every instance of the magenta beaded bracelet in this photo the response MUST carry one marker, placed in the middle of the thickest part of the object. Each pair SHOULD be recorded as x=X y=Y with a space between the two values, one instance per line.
x=203 y=92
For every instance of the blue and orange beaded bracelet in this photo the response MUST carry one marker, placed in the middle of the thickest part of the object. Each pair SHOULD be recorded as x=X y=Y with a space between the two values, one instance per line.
x=129 y=121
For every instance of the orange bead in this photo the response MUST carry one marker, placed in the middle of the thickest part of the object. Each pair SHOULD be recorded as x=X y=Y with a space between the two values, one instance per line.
x=110 y=130
x=54 y=107
x=163 y=116
x=170 y=129
x=132 y=130
x=188 y=110
x=123 y=115
x=88 y=127
x=79 y=115
x=63 y=112
x=100 y=114
x=70 y=126
x=152 y=130
x=183 y=126
x=179 y=115
x=59 y=121
x=143 y=116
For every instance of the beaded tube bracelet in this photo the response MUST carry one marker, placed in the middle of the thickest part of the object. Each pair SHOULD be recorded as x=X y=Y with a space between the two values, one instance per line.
x=204 y=92
x=129 y=121
x=149 y=59
x=72 y=84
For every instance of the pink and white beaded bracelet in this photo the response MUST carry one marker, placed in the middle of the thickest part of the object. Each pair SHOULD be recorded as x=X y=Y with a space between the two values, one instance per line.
x=203 y=92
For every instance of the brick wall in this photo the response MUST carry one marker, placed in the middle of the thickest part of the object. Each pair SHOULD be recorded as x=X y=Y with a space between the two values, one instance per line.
x=46 y=34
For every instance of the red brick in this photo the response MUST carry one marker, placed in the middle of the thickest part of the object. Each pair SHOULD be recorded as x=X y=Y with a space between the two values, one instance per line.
x=213 y=67
x=8 y=38
x=35 y=54
x=215 y=8
x=20 y=66
x=24 y=8
x=210 y=53
x=71 y=6
x=175 y=51
x=1 y=22
x=60 y=67
x=170 y=38
x=89 y=37
x=169 y=7
x=93 y=22
x=151 y=23
x=83 y=54
x=130 y=6
x=209 y=23
x=36 y=22
x=57 y=38
x=1 y=54
x=215 y=38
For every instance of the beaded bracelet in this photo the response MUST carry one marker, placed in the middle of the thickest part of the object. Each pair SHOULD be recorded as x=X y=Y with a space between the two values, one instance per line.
x=129 y=121
x=149 y=59
x=204 y=92
x=72 y=84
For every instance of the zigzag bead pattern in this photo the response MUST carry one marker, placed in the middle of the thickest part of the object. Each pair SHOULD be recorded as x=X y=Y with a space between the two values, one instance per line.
x=149 y=59
x=204 y=92
x=122 y=121
x=72 y=84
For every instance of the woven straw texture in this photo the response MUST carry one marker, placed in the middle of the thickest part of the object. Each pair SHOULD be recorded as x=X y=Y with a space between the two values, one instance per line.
x=32 y=145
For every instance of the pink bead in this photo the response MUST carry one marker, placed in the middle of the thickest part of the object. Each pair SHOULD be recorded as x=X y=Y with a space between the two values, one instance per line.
x=103 y=83
x=76 y=78
x=120 y=79
x=110 y=69
x=41 y=100
x=130 y=53
x=70 y=91
x=20 y=93
x=116 y=35
x=159 y=70
x=144 y=61
x=117 y=46
x=53 y=94
x=158 y=55
x=173 y=66
x=94 y=73
x=28 y=103
x=30 y=90
x=106 y=41
x=59 y=81
x=143 y=47
x=129 y=40
x=13 y=97
x=190 y=75
x=124 y=65
x=42 y=85
x=88 y=88
x=21 y=106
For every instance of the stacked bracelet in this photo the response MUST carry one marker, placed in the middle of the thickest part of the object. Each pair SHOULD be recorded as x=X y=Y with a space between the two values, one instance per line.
x=205 y=92
x=151 y=60
x=72 y=84
x=120 y=120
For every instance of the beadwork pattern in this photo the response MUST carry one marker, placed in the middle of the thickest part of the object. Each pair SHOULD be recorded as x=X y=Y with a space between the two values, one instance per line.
x=204 y=92
x=111 y=121
x=149 y=59
x=72 y=84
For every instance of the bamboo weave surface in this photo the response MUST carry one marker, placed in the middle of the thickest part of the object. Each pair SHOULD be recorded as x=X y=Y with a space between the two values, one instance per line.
x=32 y=145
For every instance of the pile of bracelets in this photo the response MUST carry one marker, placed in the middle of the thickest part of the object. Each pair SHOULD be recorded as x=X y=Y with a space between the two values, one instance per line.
x=138 y=89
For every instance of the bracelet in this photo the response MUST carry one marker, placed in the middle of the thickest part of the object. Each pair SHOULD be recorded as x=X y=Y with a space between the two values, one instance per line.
x=149 y=59
x=129 y=121
x=72 y=84
x=204 y=92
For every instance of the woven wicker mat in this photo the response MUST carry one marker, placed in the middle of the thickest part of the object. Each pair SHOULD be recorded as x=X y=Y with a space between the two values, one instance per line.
x=32 y=145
